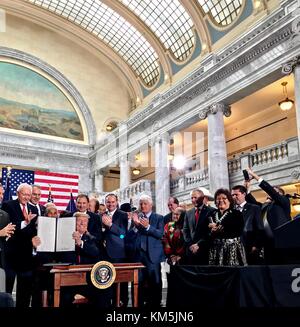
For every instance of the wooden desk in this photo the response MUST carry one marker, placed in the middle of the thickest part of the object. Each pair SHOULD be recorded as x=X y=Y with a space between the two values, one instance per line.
x=76 y=275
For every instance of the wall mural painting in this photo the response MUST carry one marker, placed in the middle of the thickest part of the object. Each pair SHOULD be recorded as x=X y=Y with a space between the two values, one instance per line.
x=30 y=102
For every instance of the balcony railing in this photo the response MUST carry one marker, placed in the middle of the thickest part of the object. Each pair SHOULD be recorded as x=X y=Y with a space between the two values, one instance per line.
x=132 y=193
x=267 y=159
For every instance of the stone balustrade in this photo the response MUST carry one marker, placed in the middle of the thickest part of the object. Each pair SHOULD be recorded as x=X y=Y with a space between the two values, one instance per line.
x=271 y=161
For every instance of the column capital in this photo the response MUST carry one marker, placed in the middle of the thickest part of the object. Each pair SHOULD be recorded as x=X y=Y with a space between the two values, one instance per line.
x=162 y=137
x=100 y=171
x=123 y=158
x=288 y=67
x=214 y=108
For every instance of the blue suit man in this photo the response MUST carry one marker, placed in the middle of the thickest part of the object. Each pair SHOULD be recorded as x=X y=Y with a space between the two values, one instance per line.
x=146 y=236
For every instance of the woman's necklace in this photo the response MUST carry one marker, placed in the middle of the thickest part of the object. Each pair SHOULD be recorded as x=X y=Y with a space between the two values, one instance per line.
x=220 y=219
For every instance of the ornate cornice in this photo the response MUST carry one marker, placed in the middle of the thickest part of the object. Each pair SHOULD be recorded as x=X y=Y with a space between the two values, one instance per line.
x=67 y=85
x=235 y=57
x=288 y=68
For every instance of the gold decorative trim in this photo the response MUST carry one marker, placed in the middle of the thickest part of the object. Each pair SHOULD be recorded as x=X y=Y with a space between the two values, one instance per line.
x=103 y=274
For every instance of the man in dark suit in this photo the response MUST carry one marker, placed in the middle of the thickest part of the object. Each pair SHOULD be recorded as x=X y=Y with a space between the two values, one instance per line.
x=86 y=252
x=275 y=212
x=196 y=231
x=114 y=226
x=253 y=234
x=35 y=199
x=173 y=203
x=148 y=233
x=7 y=229
x=18 y=248
x=94 y=227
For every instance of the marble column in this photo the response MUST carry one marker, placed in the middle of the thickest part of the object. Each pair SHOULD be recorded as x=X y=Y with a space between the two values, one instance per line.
x=217 y=154
x=293 y=66
x=162 y=176
x=125 y=172
x=99 y=181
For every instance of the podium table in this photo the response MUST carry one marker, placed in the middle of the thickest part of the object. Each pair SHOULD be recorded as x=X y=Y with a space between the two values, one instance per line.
x=75 y=275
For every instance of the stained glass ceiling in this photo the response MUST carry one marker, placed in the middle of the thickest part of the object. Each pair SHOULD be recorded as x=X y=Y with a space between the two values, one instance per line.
x=168 y=20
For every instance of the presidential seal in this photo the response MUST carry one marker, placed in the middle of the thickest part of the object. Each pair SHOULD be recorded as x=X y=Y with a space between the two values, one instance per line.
x=103 y=274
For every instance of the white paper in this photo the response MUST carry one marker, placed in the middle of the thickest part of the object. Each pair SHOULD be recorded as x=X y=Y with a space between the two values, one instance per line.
x=65 y=228
x=46 y=231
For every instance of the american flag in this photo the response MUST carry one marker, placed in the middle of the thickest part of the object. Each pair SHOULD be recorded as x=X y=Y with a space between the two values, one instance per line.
x=61 y=184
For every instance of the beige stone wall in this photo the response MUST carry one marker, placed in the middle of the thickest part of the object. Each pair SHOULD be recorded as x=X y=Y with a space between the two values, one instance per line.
x=100 y=87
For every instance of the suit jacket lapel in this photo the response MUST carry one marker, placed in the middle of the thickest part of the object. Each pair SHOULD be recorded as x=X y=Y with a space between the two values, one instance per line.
x=19 y=210
x=152 y=219
x=192 y=217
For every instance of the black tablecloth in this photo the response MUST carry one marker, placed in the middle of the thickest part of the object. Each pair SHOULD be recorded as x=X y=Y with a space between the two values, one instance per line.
x=224 y=287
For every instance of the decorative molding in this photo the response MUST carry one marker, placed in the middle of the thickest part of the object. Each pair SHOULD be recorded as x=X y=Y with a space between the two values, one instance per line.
x=66 y=84
x=214 y=108
x=295 y=174
x=288 y=68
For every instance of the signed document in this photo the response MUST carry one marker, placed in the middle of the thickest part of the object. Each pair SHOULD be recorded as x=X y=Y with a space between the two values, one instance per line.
x=56 y=234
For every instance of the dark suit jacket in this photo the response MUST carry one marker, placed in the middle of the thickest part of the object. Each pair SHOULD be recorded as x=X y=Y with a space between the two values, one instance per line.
x=199 y=233
x=4 y=220
x=253 y=234
x=115 y=236
x=89 y=253
x=278 y=210
x=152 y=237
x=18 y=248
x=167 y=218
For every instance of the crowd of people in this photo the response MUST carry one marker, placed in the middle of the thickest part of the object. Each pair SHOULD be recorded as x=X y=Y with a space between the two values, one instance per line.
x=235 y=231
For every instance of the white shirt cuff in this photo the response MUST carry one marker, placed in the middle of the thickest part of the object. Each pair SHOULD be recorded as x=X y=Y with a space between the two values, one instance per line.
x=260 y=180
x=23 y=224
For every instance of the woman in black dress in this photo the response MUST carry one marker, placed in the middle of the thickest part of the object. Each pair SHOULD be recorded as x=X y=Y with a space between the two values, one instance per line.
x=226 y=227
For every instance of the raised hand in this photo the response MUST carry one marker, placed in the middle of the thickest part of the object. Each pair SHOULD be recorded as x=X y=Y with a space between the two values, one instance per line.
x=29 y=216
x=106 y=220
x=36 y=241
x=8 y=230
x=76 y=236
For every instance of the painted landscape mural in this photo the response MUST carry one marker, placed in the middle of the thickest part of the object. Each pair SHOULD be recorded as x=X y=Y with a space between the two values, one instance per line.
x=30 y=102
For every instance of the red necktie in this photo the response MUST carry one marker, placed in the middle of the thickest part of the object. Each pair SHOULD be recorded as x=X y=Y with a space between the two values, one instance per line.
x=197 y=215
x=24 y=211
x=77 y=254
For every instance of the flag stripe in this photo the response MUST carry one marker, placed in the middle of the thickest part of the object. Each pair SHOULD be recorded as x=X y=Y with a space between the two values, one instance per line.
x=62 y=185
x=57 y=189
x=43 y=181
x=49 y=174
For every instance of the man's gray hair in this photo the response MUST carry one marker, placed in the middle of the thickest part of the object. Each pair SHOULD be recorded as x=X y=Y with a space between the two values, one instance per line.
x=22 y=186
x=146 y=198
x=37 y=186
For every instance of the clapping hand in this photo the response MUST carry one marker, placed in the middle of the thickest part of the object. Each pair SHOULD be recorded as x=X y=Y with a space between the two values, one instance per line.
x=135 y=219
x=76 y=236
x=106 y=220
x=8 y=230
